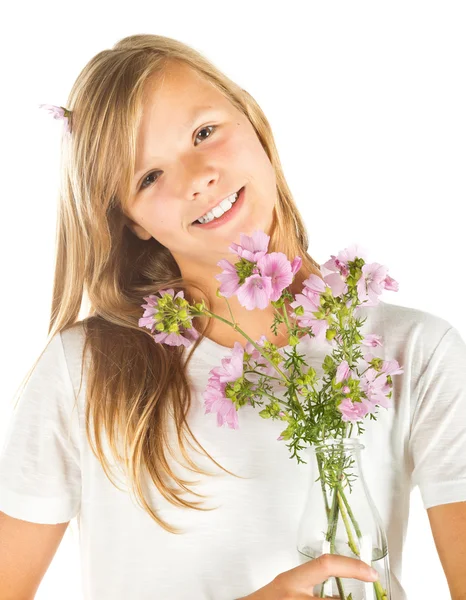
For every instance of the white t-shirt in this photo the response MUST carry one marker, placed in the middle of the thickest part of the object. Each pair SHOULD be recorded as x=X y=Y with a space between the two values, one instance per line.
x=48 y=473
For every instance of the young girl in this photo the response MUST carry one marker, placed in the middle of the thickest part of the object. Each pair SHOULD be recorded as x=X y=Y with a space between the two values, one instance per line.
x=111 y=427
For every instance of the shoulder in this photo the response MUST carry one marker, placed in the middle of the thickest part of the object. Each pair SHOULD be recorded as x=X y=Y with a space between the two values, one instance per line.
x=404 y=323
x=70 y=344
x=414 y=337
x=72 y=340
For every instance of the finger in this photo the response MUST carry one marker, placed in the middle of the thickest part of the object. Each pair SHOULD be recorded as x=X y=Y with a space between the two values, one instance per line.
x=320 y=569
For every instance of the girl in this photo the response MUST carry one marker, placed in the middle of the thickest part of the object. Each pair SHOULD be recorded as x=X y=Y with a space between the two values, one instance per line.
x=111 y=427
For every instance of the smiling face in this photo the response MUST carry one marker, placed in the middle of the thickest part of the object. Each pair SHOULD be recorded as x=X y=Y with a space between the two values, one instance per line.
x=194 y=148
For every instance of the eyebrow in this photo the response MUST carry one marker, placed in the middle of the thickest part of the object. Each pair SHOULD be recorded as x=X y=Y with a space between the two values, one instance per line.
x=195 y=113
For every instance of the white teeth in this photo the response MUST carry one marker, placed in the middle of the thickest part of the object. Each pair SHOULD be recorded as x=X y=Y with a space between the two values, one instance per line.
x=219 y=210
x=225 y=204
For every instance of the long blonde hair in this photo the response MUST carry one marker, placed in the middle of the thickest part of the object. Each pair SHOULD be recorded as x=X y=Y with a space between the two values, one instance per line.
x=134 y=385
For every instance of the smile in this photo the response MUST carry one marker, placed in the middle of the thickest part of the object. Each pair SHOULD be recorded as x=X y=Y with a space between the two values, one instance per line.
x=222 y=213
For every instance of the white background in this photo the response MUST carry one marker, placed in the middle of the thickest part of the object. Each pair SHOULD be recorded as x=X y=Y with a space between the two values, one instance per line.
x=367 y=105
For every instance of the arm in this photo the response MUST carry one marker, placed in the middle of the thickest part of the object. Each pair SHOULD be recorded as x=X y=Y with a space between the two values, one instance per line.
x=437 y=446
x=26 y=551
x=448 y=524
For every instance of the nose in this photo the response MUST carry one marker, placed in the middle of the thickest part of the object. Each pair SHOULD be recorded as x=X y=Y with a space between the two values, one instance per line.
x=202 y=185
x=199 y=177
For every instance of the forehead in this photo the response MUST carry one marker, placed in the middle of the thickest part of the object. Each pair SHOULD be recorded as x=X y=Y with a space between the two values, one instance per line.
x=172 y=94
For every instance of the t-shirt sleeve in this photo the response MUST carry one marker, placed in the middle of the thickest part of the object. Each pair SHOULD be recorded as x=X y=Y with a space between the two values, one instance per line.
x=40 y=475
x=437 y=442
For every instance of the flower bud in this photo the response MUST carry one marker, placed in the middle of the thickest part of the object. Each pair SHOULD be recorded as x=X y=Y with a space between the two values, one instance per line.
x=294 y=340
x=286 y=435
x=376 y=363
x=330 y=334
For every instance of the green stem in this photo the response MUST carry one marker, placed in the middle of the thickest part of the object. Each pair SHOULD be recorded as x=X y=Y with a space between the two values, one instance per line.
x=380 y=592
x=285 y=315
x=350 y=512
x=257 y=347
x=351 y=541
x=334 y=527
x=262 y=374
x=330 y=536
x=322 y=484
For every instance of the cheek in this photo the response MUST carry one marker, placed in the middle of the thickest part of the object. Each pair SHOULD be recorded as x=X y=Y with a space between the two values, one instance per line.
x=246 y=152
x=157 y=217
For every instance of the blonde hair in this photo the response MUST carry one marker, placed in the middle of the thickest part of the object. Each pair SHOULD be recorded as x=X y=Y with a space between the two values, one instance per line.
x=134 y=385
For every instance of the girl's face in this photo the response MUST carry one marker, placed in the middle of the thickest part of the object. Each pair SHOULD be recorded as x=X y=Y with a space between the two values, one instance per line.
x=193 y=150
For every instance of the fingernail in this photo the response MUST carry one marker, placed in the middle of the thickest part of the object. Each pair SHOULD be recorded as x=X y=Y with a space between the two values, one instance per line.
x=374 y=574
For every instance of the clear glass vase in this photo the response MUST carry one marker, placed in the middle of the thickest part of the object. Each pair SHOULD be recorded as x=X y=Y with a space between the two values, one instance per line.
x=340 y=517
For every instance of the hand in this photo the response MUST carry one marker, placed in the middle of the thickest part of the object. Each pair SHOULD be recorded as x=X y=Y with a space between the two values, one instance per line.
x=298 y=583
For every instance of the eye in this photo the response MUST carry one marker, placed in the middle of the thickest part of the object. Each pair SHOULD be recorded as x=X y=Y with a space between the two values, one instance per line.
x=204 y=128
x=153 y=173
x=148 y=177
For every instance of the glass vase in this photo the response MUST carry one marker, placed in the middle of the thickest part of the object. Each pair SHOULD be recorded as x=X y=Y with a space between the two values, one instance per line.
x=340 y=517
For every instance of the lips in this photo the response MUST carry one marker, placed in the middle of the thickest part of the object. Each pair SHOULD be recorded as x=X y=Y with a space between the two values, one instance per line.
x=226 y=217
x=214 y=205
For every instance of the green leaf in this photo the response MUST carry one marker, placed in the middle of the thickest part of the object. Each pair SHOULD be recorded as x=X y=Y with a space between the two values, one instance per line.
x=328 y=364
x=265 y=414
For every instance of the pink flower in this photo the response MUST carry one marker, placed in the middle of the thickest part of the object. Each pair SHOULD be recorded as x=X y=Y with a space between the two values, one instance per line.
x=176 y=339
x=255 y=292
x=372 y=340
x=215 y=400
x=271 y=273
x=184 y=336
x=343 y=372
x=58 y=112
x=311 y=304
x=250 y=349
x=339 y=263
x=276 y=266
x=315 y=285
x=374 y=385
x=353 y=411
x=391 y=284
x=366 y=358
x=229 y=278
x=251 y=247
x=296 y=264
x=392 y=367
x=147 y=320
x=336 y=284
x=371 y=283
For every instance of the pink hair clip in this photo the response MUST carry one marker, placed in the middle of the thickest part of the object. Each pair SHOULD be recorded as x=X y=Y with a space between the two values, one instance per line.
x=59 y=112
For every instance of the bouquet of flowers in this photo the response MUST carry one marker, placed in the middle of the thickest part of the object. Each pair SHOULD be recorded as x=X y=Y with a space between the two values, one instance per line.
x=313 y=410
